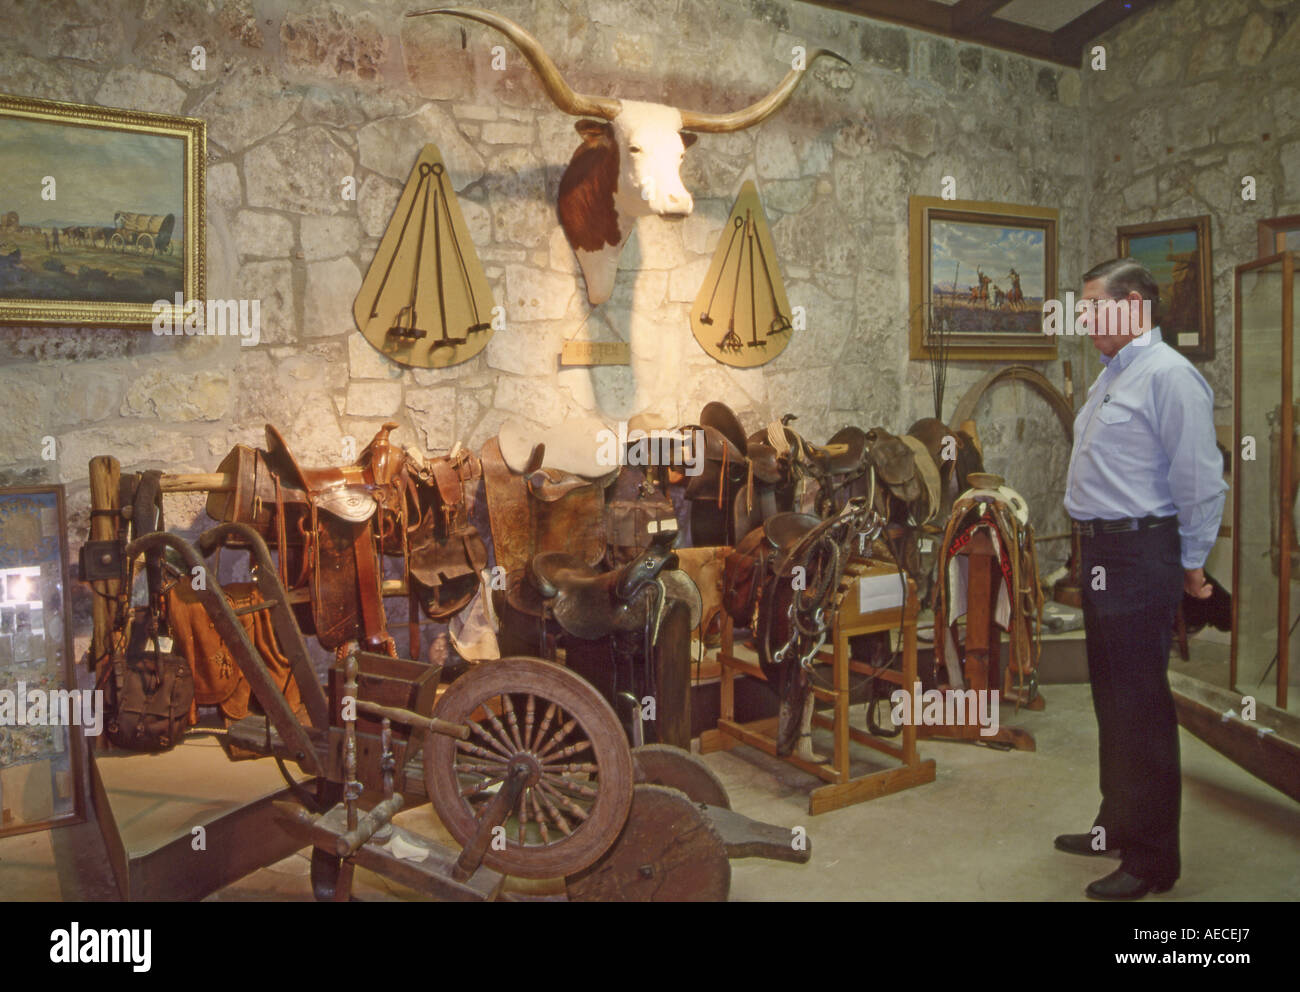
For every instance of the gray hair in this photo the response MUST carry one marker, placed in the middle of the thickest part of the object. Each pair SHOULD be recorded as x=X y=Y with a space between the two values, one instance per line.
x=1122 y=276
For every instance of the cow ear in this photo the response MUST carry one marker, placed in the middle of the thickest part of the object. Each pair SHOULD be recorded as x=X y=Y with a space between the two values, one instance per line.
x=688 y=138
x=592 y=131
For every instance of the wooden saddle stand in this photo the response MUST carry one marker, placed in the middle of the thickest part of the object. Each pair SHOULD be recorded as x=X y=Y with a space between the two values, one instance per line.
x=997 y=545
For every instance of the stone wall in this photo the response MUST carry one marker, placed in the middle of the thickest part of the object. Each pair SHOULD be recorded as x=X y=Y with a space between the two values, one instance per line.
x=298 y=95
x=1195 y=97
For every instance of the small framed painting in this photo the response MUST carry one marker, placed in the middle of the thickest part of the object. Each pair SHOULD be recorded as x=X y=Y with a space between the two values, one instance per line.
x=1177 y=254
x=979 y=276
x=1279 y=234
x=101 y=214
x=43 y=715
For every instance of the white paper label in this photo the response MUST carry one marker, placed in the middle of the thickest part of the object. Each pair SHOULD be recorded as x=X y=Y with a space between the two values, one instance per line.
x=879 y=592
x=1188 y=339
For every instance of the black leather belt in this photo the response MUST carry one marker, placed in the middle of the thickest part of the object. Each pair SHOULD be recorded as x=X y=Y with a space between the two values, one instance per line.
x=1094 y=528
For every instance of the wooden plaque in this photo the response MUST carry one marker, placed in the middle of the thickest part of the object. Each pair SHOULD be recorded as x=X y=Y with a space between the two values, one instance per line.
x=741 y=316
x=425 y=301
x=596 y=353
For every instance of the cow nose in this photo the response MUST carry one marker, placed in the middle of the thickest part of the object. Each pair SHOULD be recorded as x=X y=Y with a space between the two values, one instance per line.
x=680 y=203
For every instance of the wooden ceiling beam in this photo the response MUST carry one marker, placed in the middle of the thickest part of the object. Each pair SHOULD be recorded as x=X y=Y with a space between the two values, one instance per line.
x=968 y=14
x=926 y=14
x=1071 y=39
x=975 y=21
x=937 y=18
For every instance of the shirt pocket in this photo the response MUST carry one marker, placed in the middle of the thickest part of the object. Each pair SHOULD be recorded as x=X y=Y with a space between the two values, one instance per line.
x=1113 y=413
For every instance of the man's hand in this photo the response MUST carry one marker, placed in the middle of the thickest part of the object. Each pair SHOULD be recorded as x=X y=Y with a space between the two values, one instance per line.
x=1194 y=583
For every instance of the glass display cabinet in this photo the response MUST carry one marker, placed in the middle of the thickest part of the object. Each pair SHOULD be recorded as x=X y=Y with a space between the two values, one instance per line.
x=1266 y=466
x=41 y=728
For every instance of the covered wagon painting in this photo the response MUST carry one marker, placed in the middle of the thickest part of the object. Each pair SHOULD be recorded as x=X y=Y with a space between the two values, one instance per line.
x=101 y=213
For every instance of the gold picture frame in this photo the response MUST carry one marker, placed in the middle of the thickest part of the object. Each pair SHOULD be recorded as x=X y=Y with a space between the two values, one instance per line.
x=101 y=215
x=960 y=312
x=1177 y=253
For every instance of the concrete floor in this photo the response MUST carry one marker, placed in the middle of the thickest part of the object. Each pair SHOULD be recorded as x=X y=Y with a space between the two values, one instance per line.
x=982 y=831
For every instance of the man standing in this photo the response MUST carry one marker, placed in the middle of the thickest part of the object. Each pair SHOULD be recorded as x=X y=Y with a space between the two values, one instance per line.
x=1145 y=490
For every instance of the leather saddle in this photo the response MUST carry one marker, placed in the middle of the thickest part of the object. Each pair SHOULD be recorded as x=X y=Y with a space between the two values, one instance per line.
x=956 y=459
x=728 y=472
x=326 y=524
x=447 y=552
x=535 y=507
x=590 y=603
x=906 y=468
x=626 y=630
x=750 y=566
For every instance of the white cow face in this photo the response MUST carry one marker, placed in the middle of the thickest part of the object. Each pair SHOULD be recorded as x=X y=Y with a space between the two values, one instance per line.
x=651 y=146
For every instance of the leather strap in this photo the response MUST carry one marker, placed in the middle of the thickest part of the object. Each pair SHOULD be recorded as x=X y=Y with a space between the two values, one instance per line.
x=929 y=474
x=448 y=481
x=372 y=615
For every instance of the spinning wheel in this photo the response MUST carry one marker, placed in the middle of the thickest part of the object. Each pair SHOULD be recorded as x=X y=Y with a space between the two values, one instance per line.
x=544 y=781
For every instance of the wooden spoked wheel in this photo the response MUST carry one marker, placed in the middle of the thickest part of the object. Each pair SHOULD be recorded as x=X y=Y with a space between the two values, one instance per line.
x=533 y=717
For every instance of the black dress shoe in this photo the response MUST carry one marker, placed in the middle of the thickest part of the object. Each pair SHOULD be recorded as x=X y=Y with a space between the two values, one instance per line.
x=1079 y=844
x=1119 y=884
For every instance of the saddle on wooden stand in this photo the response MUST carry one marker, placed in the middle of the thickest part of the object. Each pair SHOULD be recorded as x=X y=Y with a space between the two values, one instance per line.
x=1004 y=591
x=328 y=528
x=626 y=630
x=782 y=582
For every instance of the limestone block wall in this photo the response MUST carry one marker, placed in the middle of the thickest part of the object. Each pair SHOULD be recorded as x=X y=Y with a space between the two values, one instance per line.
x=299 y=95
x=1195 y=97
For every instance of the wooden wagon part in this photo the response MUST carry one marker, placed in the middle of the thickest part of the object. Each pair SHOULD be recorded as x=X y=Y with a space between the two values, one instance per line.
x=663 y=764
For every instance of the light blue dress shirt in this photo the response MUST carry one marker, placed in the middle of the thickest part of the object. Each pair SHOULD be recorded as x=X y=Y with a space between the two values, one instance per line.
x=1144 y=446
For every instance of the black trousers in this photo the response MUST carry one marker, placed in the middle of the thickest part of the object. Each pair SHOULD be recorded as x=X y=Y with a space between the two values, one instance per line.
x=1128 y=616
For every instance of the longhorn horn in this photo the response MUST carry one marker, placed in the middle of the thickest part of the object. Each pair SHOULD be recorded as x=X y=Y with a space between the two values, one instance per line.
x=758 y=112
x=578 y=104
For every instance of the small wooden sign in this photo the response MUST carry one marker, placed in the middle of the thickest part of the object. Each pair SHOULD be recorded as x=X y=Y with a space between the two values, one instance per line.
x=596 y=353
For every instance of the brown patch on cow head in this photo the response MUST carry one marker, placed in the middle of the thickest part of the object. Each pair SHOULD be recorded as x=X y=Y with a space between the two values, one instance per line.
x=586 y=203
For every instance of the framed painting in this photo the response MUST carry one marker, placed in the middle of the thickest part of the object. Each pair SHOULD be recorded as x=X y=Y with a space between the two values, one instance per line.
x=1177 y=253
x=101 y=214
x=43 y=715
x=1279 y=234
x=979 y=275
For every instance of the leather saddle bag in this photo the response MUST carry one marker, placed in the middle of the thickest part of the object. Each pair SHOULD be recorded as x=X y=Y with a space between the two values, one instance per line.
x=447 y=552
x=148 y=693
x=743 y=573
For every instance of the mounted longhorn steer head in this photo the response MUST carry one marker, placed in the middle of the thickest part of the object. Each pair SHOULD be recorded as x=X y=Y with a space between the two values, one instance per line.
x=628 y=164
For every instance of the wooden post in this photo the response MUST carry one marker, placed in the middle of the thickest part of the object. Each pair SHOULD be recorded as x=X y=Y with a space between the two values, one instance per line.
x=105 y=522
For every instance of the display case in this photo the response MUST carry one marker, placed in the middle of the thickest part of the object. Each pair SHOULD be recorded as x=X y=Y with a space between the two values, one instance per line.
x=1266 y=563
x=41 y=725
